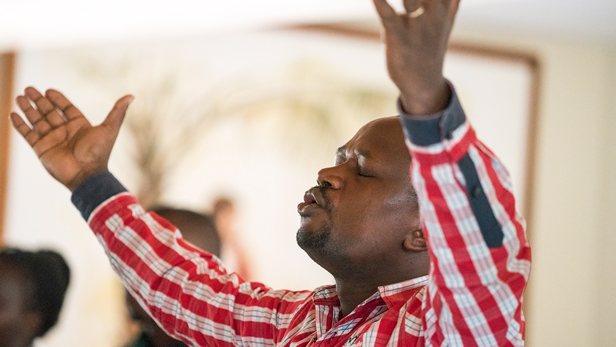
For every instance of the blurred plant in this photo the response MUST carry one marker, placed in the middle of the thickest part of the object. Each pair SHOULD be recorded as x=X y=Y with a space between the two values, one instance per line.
x=307 y=100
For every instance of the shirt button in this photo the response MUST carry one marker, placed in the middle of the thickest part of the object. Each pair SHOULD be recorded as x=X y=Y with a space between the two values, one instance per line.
x=476 y=192
x=449 y=135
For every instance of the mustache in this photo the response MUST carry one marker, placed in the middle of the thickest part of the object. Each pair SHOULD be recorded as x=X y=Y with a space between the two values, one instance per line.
x=323 y=192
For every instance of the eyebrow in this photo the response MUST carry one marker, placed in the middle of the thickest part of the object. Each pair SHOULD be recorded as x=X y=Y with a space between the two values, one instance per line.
x=341 y=152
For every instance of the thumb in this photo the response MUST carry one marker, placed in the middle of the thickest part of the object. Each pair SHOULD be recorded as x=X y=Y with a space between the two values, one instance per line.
x=118 y=112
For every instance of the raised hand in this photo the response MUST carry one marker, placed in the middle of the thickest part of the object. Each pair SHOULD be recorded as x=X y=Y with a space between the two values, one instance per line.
x=416 y=42
x=68 y=146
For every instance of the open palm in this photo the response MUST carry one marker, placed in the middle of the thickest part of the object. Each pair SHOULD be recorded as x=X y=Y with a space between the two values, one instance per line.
x=68 y=146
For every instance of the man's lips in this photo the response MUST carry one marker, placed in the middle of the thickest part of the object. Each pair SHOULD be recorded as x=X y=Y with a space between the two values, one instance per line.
x=312 y=199
x=309 y=198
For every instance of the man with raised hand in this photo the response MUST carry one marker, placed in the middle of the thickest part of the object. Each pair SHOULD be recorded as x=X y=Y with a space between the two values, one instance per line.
x=439 y=261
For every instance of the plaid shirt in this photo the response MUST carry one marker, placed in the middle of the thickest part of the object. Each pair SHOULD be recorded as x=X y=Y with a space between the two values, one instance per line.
x=480 y=262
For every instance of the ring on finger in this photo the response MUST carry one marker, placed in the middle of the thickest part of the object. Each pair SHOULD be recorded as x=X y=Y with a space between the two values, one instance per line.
x=417 y=13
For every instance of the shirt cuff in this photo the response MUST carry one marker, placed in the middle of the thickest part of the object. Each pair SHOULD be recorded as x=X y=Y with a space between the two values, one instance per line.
x=94 y=191
x=427 y=130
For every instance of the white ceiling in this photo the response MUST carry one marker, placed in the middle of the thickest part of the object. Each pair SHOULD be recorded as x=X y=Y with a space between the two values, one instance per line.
x=26 y=24
x=578 y=19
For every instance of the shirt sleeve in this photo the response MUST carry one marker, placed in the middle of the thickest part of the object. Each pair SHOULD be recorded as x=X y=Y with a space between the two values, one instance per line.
x=186 y=290
x=480 y=257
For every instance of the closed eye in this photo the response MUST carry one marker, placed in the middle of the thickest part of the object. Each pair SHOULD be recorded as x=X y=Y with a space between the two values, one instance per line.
x=361 y=173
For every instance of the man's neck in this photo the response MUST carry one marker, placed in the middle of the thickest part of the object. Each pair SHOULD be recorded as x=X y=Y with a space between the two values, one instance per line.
x=354 y=290
x=353 y=294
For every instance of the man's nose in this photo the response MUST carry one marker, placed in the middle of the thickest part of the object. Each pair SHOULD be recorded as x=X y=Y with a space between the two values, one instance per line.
x=330 y=177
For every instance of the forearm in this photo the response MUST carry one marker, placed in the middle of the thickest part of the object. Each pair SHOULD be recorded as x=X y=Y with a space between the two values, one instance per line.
x=141 y=250
x=478 y=247
x=185 y=289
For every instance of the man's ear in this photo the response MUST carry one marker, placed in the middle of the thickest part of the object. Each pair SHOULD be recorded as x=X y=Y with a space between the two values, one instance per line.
x=415 y=241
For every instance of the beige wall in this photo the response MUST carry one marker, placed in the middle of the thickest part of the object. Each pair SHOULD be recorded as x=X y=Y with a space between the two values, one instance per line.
x=607 y=297
x=573 y=281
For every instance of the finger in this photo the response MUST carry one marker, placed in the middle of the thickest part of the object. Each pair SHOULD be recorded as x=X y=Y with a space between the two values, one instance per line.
x=118 y=112
x=23 y=129
x=60 y=101
x=431 y=5
x=412 y=5
x=453 y=9
x=45 y=107
x=440 y=7
x=388 y=15
x=31 y=113
x=39 y=123
x=41 y=127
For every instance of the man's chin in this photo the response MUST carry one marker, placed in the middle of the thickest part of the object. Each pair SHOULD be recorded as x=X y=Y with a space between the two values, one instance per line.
x=310 y=239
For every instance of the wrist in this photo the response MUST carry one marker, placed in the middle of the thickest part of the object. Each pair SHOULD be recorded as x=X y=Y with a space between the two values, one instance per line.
x=84 y=175
x=425 y=100
x=95 y=190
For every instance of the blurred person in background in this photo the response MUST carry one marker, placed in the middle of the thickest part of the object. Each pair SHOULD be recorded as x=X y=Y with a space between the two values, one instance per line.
x=232 y=252
x=33 y=285
x=198 y=229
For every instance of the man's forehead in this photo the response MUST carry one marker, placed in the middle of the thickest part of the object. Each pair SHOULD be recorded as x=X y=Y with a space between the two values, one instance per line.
x=383 y=135
x=382 y=130
x=385 y=121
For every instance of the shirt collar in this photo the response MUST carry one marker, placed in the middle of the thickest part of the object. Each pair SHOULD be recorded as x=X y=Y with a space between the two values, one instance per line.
x=392 y=294
x=397 y=293
x=326 y=295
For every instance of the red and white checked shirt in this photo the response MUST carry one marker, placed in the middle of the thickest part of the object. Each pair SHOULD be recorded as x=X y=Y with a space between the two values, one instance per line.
x=480 y=262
